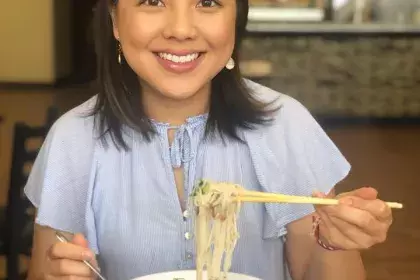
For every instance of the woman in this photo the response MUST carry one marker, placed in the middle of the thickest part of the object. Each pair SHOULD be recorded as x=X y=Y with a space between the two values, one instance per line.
x=114 y=173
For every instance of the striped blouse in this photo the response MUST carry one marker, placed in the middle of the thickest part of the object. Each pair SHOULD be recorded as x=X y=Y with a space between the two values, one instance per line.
x=126 y=203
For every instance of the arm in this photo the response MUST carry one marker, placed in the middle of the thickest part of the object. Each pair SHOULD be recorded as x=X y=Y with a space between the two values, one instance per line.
x=298 y=157
x=309 y=261
x=44 y=238
x=58 y=186
x=52 y=259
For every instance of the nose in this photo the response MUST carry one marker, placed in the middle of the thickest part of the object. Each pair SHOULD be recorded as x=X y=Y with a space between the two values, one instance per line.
x=180 y=25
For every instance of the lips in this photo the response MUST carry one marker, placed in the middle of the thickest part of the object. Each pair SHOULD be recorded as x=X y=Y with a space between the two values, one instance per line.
x=179 y=58
x=179 y=62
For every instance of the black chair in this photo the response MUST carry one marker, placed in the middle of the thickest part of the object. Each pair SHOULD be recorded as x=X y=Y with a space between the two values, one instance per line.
x=2 y=222
x=20 y=216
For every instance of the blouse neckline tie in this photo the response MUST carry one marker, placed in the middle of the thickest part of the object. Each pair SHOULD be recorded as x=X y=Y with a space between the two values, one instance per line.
x=181 y=151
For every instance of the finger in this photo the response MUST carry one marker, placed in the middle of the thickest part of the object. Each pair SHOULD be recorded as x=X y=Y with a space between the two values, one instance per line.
x=356 y=235
x=63 y=250
x=325 y=219
x=319 y=195
x=334 y=237
x=79 y=239
x=68 y=277
x=368 y=193
x=376 y=208
x=66 y=267
x=77 y=278
x=356 y=217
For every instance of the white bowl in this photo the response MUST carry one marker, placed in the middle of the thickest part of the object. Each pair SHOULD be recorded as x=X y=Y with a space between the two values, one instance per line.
x=190 y=275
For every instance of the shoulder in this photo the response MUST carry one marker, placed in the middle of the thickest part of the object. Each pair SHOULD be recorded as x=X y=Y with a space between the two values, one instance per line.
x=76 y=125
x=59 y=181
x=286 y=109
x=293 y=155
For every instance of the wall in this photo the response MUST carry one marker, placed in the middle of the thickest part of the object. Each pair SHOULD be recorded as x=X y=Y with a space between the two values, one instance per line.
x=29 y=106
x=351 y=75
x=28 y=32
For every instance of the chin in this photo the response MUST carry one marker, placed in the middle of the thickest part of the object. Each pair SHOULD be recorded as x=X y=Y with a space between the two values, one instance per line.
x=180 y=88
x=180 y=92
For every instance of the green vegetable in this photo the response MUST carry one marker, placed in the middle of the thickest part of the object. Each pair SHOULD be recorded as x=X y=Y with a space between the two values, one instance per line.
x=202 y=187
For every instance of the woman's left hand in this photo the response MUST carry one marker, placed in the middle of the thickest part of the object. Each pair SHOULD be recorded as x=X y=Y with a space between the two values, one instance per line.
x=358 y=222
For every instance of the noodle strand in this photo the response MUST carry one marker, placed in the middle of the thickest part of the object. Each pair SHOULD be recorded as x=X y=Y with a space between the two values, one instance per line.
x=216 y=228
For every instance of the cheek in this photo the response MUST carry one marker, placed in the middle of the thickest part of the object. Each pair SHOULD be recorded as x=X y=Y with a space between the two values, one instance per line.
x=219 y=33
x=136 y=30
x=137 y=35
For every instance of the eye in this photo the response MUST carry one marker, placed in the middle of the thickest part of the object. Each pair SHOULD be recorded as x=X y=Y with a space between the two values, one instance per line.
x=208 y=3
x=153 y=3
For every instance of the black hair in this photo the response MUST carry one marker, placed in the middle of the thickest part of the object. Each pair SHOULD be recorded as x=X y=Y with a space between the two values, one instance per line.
x=232 y=105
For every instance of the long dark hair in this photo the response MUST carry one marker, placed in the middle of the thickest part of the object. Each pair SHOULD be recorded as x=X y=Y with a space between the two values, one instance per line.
x=232 y=105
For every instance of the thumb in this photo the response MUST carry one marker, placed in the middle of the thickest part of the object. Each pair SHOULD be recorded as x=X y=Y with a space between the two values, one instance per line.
x=80 y=240
x=367 y=193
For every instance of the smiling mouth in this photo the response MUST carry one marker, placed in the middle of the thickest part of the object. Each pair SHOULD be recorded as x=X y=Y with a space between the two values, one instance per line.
x=179 y=58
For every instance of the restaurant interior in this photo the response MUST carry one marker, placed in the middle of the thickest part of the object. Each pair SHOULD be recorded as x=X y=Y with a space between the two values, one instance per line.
x=355 y=64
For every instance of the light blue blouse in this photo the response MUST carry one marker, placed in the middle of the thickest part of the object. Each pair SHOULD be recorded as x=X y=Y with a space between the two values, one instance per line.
x=126 y=204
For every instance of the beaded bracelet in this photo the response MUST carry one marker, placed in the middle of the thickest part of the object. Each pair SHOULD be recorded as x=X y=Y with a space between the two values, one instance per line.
x=315 y=232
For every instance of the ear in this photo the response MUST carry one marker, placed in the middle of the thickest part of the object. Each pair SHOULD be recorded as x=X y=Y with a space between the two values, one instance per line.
x=113 y=14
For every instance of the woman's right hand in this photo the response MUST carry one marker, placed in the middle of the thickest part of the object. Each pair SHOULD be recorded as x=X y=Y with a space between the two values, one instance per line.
x=65 y=260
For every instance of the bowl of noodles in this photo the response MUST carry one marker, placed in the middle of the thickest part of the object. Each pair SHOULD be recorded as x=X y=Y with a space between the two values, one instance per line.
x=191 y=275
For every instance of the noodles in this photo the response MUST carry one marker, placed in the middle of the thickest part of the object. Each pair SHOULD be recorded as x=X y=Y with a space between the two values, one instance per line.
x=215 y=227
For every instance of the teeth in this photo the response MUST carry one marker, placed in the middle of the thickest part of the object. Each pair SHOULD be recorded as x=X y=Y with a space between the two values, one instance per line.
x=179 y=59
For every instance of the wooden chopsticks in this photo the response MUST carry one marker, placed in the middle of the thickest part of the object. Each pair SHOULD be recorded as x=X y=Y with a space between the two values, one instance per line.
x=263 y=197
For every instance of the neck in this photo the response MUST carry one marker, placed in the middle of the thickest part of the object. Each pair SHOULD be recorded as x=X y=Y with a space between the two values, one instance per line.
x=175 y=111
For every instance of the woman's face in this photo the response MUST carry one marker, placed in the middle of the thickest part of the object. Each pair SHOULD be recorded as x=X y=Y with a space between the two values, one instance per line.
x=176 y=46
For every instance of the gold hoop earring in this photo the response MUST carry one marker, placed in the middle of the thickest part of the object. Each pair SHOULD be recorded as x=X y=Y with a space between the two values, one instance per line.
x=119 y=53
x=230 y=64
